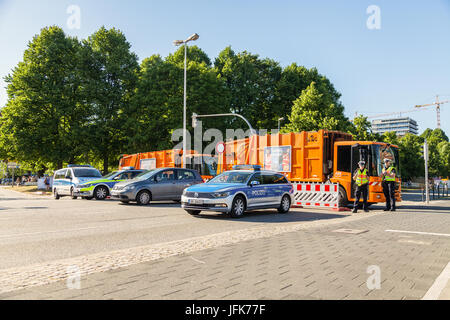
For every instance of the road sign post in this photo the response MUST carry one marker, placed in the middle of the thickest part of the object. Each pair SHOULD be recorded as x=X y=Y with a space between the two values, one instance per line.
x=13 y=166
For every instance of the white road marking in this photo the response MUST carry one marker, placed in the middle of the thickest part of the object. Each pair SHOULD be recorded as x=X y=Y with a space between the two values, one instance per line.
x=425 y=243
x=202 y=262
x=418 y=232
x=44 y=232
x=439 y=285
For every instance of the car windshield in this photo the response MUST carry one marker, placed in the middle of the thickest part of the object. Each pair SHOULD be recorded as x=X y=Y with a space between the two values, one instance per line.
x=232 y=177
x=87 y=173
x=145 y=175
x=111 y=175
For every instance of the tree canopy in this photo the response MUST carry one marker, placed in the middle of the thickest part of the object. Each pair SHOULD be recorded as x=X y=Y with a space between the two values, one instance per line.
x=90 y=100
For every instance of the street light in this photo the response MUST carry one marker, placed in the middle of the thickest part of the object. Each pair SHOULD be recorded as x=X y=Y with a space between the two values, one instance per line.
x=279 y=126
x=194 y=37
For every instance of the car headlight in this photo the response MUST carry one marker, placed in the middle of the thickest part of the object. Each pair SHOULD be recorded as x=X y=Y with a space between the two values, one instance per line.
x=221 y=194
x=129 y=188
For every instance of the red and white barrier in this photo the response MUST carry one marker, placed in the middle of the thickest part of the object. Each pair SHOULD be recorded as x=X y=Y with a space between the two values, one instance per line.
x=316 y=195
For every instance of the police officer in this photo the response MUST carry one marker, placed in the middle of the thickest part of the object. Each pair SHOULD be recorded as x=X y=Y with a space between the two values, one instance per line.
x=388 y=177
x=361 y=178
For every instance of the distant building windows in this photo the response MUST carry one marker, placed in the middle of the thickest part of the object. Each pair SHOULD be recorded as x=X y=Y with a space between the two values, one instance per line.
x=401 y=126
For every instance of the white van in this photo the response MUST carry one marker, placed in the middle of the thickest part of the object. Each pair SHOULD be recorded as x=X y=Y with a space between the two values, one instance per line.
x=66 y=180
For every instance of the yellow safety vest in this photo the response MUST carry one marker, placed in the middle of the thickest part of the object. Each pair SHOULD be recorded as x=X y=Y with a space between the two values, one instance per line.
x=362 y=177
x=388 y=178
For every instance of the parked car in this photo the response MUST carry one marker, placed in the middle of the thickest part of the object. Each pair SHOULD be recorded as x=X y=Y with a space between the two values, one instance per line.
x=237 y=191
x=101 y=189
x=155 y=185
x=65 y=180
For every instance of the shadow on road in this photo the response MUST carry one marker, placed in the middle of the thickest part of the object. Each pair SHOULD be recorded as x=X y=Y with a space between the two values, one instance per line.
x=272 y=217
x=423 y=207
x=169 y=204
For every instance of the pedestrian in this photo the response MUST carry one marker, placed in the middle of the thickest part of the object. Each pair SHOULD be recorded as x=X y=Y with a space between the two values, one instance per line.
x=361 y=178
x=47 y=183
x=388 y=183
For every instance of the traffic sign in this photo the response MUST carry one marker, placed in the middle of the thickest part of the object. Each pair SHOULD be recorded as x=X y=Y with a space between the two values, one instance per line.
x=13 y=165
x=220 y=148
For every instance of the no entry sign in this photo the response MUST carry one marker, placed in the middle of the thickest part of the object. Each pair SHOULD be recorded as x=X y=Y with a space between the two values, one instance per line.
x=220 y=148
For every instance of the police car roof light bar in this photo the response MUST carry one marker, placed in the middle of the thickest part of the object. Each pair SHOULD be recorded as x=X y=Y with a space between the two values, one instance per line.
x=79 y=166
x=247 y=167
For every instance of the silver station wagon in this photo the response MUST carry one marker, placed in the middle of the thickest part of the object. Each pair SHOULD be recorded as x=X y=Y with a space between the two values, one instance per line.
x=155 y=185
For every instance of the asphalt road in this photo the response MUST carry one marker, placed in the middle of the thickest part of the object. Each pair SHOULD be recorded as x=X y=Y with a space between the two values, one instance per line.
x=159 y=251
x=37 y=229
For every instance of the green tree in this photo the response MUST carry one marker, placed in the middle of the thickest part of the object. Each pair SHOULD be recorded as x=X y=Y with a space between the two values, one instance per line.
x=158 y=103
x=110 y=76
x=251 y=83
x=434 y=138
x=362 y=129
x=313 y=111
x=43 y=118
x=294 y=79
x=194 y=54
x=391 y=137
x=411 y=157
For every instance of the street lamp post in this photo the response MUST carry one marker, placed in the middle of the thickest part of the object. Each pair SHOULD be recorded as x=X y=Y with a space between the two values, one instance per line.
x=194 y=37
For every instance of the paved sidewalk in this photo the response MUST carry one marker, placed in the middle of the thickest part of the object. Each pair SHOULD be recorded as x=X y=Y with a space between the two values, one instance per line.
x=314 y=263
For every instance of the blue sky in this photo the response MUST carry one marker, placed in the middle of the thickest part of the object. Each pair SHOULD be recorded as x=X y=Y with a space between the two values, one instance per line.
x=406 y=62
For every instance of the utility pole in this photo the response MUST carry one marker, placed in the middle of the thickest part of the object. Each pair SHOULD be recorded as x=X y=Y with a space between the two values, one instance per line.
x=427 y=185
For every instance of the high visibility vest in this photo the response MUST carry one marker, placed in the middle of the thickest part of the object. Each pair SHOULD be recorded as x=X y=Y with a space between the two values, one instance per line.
x=362 y=178
x=388 y=178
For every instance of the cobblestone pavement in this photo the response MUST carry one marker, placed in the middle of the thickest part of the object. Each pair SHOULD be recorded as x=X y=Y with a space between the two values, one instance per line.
x=308 y=262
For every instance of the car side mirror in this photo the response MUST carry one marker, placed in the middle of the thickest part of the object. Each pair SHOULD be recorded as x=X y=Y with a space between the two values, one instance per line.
x=254 y=183
x=68 y=177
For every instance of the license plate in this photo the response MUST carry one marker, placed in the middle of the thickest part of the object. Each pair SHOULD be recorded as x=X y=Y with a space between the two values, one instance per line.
x=195 y=201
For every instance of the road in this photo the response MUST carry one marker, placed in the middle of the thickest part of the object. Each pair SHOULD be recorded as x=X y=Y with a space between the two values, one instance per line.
x=111 y=244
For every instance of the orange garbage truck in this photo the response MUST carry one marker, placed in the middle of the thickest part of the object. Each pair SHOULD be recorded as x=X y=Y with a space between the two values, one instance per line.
x=206 y=165
x=322 y=156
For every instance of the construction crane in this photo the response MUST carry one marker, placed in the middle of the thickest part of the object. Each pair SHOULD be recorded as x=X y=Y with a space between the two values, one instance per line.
x=383 y=115
x=438 y=109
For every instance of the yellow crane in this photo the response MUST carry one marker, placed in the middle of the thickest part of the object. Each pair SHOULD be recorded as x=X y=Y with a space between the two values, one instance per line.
x=438 y=109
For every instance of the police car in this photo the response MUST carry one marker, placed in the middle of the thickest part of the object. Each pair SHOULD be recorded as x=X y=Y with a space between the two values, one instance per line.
x=66 y=180
x=101 y=188
x=245 y=188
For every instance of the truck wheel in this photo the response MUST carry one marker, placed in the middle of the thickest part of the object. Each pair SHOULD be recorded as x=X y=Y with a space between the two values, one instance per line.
x=143 y=198
x=285 y=205
x=101 y=193
x=238 y=207
x=56 y=195
x=343 y=201
x=193 y=212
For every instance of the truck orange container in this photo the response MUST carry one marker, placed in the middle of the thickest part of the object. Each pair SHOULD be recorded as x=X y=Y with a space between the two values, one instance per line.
x=304 y=157
x=314 y=157
x=171 y=158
